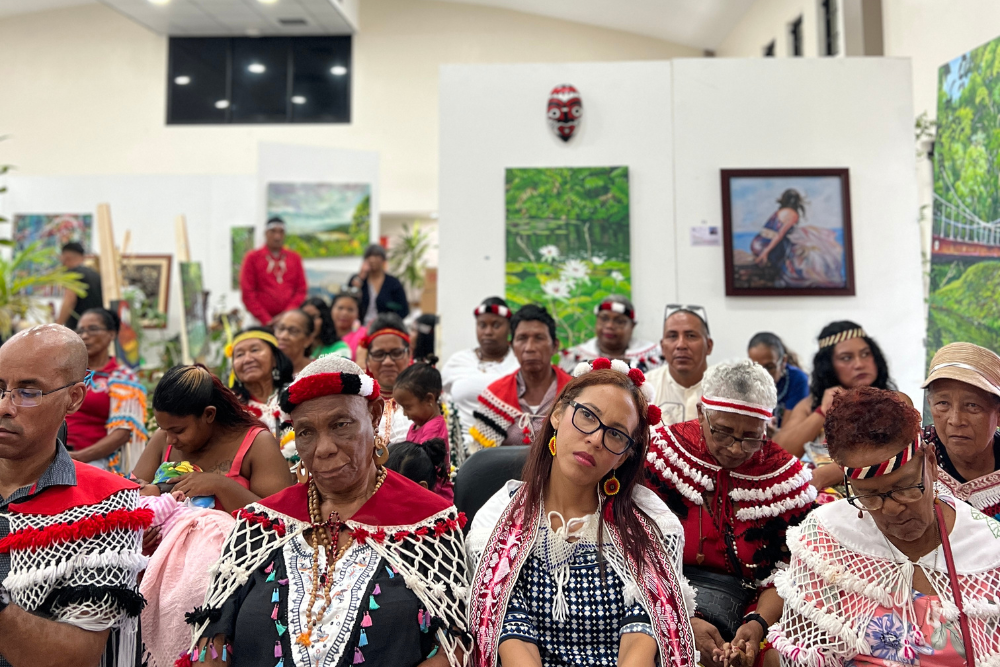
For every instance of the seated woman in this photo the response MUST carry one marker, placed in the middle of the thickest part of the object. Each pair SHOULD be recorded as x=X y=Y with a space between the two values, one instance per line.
x=345 y=311
x=260 y=370
x=202 y=422
x=360 y=565
x=294 y=330
x=578 y=564
x=964 y=394
x=736 y=493
x=890 y=575
x=325 y=338
x=768 y=350
x=109 y=429
x=388 y=355
x=613 y=339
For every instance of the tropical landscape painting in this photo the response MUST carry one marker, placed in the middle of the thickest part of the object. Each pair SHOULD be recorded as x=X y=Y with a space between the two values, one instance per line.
x=54 y=231
x=568 y=243
x=195 y=318
x=240 y=243
x=965 y=245
x=323 y=219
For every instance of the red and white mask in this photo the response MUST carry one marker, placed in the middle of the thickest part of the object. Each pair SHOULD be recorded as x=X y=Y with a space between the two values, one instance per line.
x=565 y=111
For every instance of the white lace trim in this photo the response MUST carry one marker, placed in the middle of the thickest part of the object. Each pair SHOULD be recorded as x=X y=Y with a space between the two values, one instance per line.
x=753 y=513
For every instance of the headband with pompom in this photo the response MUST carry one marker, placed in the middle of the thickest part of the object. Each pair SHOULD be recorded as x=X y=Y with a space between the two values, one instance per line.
x=327 y=376
x=653 y=413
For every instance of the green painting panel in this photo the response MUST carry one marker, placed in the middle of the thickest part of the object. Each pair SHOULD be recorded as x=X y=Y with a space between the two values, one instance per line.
x=240 y=243
x=323 y=219
x=54 y=231
x=195 y=317
x=568 y=244
x=965 y=260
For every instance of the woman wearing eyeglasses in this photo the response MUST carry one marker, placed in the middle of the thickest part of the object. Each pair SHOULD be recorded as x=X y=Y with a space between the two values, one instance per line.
x=294 y=330
x=388 y=354
x=890 y=575
x=109 y=429
x=736 y=493
x=577 y=564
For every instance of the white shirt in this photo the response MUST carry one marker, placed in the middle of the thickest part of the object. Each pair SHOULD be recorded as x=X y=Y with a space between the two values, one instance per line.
x=464 y=377
x=679 y=404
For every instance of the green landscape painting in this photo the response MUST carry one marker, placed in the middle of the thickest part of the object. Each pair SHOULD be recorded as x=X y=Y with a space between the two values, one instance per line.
x=568 y=242
x=323 y=219
x=965 y=259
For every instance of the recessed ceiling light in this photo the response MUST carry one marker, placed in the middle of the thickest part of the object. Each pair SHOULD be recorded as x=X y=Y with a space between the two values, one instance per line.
x=222 y=104
x=182 y=80
x=267 y=2
x=256 y=68
x=158 y=2
x=298 y=99
x=338 y=70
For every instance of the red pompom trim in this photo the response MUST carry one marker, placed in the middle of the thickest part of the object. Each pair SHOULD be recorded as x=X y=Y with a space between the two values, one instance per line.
x=654 y=415
x=183 y=661
x=637 y=376
x=600 y=364
x=61 y=533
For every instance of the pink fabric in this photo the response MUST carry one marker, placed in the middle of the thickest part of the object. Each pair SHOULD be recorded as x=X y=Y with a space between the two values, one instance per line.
x=177 y=578
x=354 y=339
x=166 y=511
x=435 y=428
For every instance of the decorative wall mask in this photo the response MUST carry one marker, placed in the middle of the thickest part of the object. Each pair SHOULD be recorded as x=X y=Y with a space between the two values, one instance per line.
x=565 y=111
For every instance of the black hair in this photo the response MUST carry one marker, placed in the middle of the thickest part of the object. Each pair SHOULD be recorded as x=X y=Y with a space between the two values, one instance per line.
x=421 y=462
x=276 y=219
x=327 y=330
x=345 y=295
x=390 y=321
x=533 y=313
x=310 y=326
x=824 y=375
x=281 y=362
x=423 y=346
x=110 y=319
x=374 y=249
x=420 y=378
x=768 y=339
x=791 y=198
x=494 y=301
x=186 y=391
x=73 y=246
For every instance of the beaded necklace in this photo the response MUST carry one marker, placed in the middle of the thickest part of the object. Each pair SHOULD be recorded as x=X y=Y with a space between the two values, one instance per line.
x=325 y=533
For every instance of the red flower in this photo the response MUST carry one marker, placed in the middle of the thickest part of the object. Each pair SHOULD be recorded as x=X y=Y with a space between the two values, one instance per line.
x=600 y=364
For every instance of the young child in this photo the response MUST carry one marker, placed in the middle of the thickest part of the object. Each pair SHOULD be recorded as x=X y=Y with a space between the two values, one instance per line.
x=418 y=392
x=424 y=463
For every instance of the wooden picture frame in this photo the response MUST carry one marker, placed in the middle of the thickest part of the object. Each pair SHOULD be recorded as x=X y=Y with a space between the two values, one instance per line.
x=799 y=220
x=151 y=274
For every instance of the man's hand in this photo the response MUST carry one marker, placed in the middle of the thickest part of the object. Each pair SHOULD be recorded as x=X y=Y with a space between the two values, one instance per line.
x=707 y=640
x=743 y=650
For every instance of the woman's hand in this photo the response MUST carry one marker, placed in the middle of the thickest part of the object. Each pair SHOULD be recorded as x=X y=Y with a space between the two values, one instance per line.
x=706 y=639
x=827 y=475
x=761 y=259
x=151 y=539
x=828 y=396
x=743 y=650
x=194 y=484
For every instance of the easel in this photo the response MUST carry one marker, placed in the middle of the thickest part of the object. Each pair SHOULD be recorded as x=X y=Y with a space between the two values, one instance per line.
x=111 y=280
x=183 y=255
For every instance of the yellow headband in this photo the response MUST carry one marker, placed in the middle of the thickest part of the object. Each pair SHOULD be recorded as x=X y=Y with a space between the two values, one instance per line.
x=248 y=335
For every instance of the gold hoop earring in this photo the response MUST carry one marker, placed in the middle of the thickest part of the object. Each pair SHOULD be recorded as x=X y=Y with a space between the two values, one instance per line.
x=552 y=444
x=381 y=451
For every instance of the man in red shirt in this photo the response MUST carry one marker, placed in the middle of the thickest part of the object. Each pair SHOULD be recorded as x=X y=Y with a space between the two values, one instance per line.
x=272 y=277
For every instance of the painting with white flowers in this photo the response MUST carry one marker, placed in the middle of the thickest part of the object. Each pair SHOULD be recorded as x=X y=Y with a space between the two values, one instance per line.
x=568 y=242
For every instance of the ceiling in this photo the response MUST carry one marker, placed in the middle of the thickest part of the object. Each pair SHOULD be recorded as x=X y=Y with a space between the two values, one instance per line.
x=15 y=7
x=699 y=23
x=236 y=17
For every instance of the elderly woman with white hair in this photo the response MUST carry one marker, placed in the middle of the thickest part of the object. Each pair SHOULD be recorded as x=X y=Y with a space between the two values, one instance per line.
x=736 y=493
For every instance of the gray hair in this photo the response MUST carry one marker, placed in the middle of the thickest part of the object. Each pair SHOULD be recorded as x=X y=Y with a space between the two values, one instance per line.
x=742 y=380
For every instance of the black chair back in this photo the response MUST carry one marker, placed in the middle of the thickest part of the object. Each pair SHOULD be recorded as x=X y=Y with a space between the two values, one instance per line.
x=484 y=473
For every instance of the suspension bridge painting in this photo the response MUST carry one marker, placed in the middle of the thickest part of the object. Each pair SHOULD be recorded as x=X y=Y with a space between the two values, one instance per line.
x=965 y=245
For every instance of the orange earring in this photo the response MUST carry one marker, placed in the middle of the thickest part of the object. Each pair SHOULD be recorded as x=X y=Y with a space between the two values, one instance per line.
x=552 y=444
x=611 y=485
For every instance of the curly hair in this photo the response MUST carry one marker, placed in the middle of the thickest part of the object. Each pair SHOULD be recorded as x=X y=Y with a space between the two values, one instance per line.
x=327 y=330
x=824 y=375
x=869 y=418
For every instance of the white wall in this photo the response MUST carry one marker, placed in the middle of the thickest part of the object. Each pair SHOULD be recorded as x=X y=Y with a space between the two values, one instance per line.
x=769 y=19
x=675 y=126
x=627 y=121
x=84 y=91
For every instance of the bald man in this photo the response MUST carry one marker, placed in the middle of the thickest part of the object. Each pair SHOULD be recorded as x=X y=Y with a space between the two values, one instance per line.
x=78 y=613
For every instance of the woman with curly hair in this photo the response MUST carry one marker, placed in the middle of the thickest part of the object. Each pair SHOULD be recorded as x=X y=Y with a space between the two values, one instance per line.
x=891 y=574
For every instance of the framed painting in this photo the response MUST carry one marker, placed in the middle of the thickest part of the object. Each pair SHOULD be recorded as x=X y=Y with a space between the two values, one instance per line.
x=151 y=274
x=787 y=232
x=323 y=219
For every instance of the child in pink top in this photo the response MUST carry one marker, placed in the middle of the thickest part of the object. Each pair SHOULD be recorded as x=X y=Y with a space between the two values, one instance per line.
x=418 y=392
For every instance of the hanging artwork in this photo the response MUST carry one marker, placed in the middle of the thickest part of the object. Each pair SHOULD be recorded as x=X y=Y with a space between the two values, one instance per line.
x=195 y=317
x=53 y=231
x=565 y=111
x=240 y=243
x=325 y=280
x=568 y=243
x=323 y=219
x=151 y=274
x=965 y=232
x=127 y=341
x=787 y=232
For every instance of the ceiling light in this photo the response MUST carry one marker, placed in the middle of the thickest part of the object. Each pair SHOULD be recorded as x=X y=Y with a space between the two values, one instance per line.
x=222 y=104
x=267 y=2
x=338 y=70
x=298 y=99
x=256 y=68
x=182 y=80
x=158 y=2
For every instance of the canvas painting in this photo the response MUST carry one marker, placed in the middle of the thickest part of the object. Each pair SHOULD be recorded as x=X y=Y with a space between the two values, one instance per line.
x=127 y=342
x=240 y=243
x=195 y=316
x=323 y=219
x=568 y=243
x=965 y=230
x=787 y=232
x=325 y=281
x=53 y=231
x=151 y=274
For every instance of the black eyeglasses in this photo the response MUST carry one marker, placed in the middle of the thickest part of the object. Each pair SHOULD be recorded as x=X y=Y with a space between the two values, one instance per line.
x=91 y=331
x=29 y=398
x=396 y=354
x=723 y=439
x=873 y=502
x=587 y=422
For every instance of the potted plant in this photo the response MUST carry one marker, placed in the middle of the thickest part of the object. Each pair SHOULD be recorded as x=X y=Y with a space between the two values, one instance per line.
x=15 y=279
x=407 y=260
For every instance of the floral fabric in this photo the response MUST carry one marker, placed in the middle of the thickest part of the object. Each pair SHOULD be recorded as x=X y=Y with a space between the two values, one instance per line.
x=892 y=642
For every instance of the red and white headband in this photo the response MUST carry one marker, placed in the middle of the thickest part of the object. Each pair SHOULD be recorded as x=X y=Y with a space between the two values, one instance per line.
x=830 y=341
x=495 y=308
x=737 y=407
x=327 y=376
x=653 y=413
x=886 y=467
x=615 y=307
